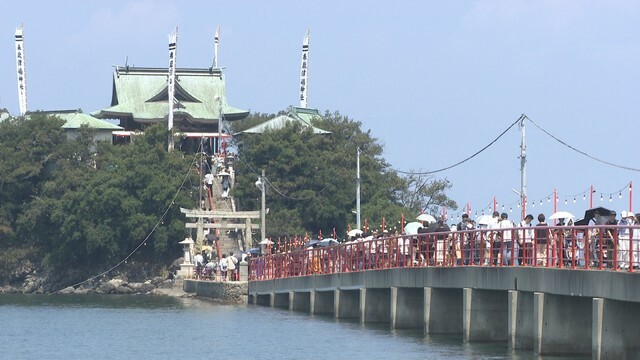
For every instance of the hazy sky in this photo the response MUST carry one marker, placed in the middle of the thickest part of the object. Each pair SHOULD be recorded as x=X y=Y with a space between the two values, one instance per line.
x=434 y=81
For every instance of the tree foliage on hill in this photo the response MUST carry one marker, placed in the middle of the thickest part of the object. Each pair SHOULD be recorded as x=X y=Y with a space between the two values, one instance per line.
x=312 y=178
x=72 y=207
x=72 y=203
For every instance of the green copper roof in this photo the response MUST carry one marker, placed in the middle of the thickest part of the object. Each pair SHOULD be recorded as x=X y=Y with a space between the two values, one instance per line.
x=75 y=119
x=304 y=116
x=141 y=93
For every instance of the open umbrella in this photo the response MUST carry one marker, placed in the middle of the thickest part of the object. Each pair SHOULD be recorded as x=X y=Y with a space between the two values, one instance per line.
x=412 y=228
x=266 y=242
x=311 y=243
x=354 y=232
x=590 y=214
x=328 y=242
x=561 y=215
x=486 y=220
x=223 y=173
x=426 y=217
x=253 y=251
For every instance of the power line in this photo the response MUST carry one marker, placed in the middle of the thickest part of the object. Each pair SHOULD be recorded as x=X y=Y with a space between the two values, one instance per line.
x=465 y=160
x=276 y=189
x=580 y=151
x=160 y=220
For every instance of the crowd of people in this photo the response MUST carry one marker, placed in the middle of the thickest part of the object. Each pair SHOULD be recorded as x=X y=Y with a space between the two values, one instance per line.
x=208 y=267
x=602 y=241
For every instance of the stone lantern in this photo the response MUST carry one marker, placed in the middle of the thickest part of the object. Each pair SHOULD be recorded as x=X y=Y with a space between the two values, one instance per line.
x=186 y=268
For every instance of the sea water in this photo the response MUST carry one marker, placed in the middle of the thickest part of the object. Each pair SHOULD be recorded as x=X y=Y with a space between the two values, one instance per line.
x=157 y=327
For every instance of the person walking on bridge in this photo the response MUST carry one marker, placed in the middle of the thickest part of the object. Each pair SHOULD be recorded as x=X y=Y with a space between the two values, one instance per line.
x=509 y=247
x=525 y=239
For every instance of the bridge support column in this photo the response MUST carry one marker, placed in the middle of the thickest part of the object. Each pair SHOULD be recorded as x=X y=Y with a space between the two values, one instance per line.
x=272 y=299
x=292 y=297
x=562 y=324
x=444 y=308
x=596 y=328
x=426 y=309
x=619 y=327
x=467 y=293
x=312 y=302
x=347 y=304
x=336 y=304
x=406 y=307
x=393 y=307
x=484 y=315
x=520 y=321
x=512 y=321
x=538 y=311
x=363 y=302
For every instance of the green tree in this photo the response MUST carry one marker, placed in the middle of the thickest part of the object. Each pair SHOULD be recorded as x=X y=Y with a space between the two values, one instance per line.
x=94 y=213
x=312 y=178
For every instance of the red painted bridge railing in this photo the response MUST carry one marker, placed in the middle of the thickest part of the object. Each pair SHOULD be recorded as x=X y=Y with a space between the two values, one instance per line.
x=600 y=247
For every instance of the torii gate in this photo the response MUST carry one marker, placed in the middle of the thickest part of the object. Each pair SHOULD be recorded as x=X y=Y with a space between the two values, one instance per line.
x=220 y=217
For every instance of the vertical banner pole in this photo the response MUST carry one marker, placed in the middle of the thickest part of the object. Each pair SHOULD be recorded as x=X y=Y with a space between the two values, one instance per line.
x=304 y=72
x=21 y=70
x=215 y=47
x=173 y=41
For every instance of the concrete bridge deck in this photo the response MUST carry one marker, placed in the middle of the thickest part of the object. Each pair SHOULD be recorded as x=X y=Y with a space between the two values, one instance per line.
x=548 y=310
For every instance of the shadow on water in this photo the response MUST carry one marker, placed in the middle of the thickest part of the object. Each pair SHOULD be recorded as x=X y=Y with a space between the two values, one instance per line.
x=93 y=301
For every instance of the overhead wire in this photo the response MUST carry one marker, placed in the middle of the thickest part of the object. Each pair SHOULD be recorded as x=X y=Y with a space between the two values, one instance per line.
x=268 y=182
x=580 y=151
x=160 y=220
x=466 y=159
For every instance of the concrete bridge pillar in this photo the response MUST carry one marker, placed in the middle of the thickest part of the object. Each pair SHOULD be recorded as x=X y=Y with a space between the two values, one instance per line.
x=321 y=302
x=562 y=324
x=346 y=304
x=426 y=309
x=485 y=315
x=616 y=324
x=393 y=307
x=312 y=302
x=406 y=305
x=538 y=320
x=596 y=328
x=520 y=320
x=375 y=305
x=442 y=310
x=363 y=301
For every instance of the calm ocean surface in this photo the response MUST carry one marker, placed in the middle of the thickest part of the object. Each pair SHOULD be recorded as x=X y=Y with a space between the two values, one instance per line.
x=154 y=327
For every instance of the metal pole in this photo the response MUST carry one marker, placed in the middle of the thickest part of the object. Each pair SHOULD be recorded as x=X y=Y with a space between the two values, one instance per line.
x=631 y=196
x=523 y=168
x=555 y=203
x=358 y=190
x=263 y=208
x=591 y=197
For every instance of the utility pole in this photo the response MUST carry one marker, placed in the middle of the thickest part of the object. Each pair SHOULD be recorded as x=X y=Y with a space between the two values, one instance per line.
x=263 y=208
x=358 y=190
x=523 y=168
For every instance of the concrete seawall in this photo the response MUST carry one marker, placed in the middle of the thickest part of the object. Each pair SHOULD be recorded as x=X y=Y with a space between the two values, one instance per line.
x=229 y=292
x=547 y=310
